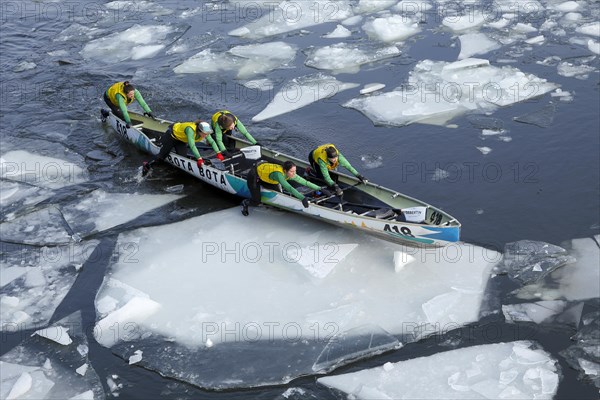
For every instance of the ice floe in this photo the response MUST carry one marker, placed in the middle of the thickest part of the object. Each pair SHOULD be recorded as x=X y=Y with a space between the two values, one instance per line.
x=545 y=311
x=544 y=117
x=41 y=369
x=136 y=42
x=459 y=23
x=41 y=171
x=349 y=288
x=289 y=16
x=339 y=32
x=578 y=280
x=347 y=58
x=437 y=91
x=248 y=60
x=391 y=29
x=584 y=355
x=529 y=261
x=92 y=213
x=34 y=281
x=301 y=92
x=492 y=371
x=475 y=43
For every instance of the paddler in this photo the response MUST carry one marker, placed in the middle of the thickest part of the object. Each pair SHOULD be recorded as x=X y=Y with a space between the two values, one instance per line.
x=178 y=135
x=275 y=177
x=224 y=123
x=327 y=158
x=122 y=94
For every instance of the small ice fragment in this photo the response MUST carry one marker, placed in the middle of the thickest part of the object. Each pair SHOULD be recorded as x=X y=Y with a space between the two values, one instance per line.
x=136 y=357
x=174 y=189
x=111 y=384
x=57 y=334
x=339 y=32
x=21 y=386
x=388 y=366
x=484 y=150
x=209 y=343
x=490 y=132
x=371 y=87
x=536 y=40
x=87 y=395
x=82 y=370
x=83 y=350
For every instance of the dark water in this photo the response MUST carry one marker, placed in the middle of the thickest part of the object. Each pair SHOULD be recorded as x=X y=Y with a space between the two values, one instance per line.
x=543 y=185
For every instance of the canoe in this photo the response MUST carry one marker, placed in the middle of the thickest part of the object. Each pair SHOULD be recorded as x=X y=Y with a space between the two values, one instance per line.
x=366 y=207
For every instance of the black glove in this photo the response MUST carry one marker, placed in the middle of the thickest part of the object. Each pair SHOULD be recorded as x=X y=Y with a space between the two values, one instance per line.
x=258 y=144
x=361 y=178
x=127 y=126
x=226 y=154
x=338 y=190
x=305 y=202
x=150 y=115
x=326 y=191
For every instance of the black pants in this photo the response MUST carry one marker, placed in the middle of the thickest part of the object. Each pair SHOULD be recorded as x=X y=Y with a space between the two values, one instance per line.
x=254 y=184
x=167 y=142
x=228 y=141
x=316 y=169
x=115 y=109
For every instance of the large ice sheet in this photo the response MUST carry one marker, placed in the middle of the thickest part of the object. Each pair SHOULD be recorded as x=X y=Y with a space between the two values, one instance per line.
x=517 y=370
x=437 y=91
x=41 y=368
x=300 y=92
x=289 y=16
x=348 y=58
x=34 y=281
x=227 y=291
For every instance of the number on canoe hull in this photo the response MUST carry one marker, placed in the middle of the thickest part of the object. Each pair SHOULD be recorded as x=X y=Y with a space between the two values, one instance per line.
x=404 y=231
x=435 y=218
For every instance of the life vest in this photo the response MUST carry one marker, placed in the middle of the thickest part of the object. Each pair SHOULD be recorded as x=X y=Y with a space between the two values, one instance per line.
x=215 y=119
x=265 y=169
x=115 y=89
x=321 y=154
x=179 y=131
